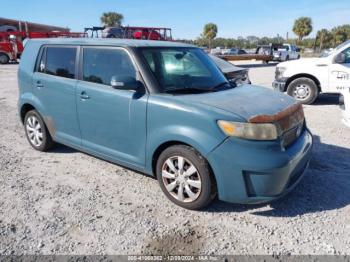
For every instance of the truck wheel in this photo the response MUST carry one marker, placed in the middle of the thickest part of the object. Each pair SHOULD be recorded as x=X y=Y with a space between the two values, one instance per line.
x=303 y=89
x=4 y=59
x=287 y=57
x=185 y=178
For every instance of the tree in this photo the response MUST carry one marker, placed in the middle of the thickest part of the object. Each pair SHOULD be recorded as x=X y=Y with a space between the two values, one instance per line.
x=324 y=39
x=340 y=34
x=302 y=27
x=112 y=19
x=209 y=32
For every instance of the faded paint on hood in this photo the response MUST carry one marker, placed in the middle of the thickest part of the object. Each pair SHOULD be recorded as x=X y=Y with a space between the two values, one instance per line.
x=247 y=101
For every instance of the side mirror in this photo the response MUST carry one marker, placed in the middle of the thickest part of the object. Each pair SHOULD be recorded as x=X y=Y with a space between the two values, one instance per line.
x=339 y=58
x=125 y=82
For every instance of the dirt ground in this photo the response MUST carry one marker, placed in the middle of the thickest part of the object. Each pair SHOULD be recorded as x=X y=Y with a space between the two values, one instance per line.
x=67 y=202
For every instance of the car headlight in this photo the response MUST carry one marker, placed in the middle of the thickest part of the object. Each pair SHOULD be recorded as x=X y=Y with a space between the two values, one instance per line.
x=279 y=72
x=265 y=131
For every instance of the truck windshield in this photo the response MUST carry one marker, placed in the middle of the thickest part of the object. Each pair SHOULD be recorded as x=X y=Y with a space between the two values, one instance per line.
x=329 y=52
x=187 y=70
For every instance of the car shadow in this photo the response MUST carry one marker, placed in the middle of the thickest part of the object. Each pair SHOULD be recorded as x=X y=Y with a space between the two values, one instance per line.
x=62 y=149
x=325 y=186
x=256 y=65
x=327 y=99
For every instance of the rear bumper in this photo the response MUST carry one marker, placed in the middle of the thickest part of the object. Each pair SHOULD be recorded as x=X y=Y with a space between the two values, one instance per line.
x=280 y=84
x=251 y=172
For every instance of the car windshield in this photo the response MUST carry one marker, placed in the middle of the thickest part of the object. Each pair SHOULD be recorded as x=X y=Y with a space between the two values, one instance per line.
x=187 y=70
x=329 y=52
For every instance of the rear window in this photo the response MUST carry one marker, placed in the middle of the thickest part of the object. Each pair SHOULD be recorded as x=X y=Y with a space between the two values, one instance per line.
x=59 y=61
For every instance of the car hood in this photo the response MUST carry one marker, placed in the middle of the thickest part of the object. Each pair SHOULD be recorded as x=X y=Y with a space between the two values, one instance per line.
x=247 y=101
x=304 y=61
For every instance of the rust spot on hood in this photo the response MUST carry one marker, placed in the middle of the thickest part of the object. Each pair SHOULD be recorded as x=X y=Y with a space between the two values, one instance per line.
x=285 y=119
x=276 y=117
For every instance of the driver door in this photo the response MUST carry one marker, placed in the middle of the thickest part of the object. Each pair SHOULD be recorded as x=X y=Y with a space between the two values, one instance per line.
x=112 y=121
x=339 y=74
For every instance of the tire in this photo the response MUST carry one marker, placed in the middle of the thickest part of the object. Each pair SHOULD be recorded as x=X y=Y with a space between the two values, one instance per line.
x=4 y=59
x=304 y=90
x=36 y=132
x=202 y=186
x=287 y=58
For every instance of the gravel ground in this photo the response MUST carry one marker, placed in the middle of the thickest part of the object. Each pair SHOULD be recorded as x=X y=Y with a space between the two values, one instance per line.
x=67 y=202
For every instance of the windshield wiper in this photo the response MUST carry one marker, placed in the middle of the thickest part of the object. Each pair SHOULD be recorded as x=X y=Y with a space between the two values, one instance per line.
x=188 y=90
x=219 y=86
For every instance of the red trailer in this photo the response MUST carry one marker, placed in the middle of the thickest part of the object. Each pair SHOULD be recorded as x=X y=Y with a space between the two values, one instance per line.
x=11 y=43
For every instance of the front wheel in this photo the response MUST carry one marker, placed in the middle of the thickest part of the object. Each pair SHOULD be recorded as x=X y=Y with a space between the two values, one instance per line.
x=185 y=178
x=304 y=90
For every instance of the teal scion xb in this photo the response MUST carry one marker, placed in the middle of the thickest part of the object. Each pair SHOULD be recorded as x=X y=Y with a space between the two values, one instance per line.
x=164 y=109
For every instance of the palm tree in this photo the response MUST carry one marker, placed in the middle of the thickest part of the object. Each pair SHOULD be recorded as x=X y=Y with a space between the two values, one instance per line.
x=209 y=32
x=112 y=19
x=324 y=38
x=302 y=27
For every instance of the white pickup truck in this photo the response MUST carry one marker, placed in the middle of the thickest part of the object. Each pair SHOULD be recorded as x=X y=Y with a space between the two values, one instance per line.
x=286 y=52
x=305 y=78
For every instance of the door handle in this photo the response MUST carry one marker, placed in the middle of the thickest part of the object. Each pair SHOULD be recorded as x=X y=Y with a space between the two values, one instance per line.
x=84 y=96
x=39 y=84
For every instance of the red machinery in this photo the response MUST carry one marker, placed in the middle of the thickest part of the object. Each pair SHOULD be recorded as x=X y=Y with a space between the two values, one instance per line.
x=11 y=43
x=149 y=33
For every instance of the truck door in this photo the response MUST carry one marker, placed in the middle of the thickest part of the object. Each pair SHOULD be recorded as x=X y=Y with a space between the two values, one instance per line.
x=339 y=74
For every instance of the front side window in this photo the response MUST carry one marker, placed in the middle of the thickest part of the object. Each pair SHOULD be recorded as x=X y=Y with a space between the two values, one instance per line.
x=183 y=68
x=346 y=52
x=101 y=64
x=60 y=61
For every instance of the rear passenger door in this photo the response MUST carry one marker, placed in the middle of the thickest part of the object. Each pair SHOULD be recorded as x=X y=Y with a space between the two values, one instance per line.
x=112 y=121
x=54 y=84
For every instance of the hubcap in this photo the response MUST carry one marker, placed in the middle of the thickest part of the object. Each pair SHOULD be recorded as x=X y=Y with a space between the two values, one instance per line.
x=181 y=179
x=34 y=131
x=301 y=91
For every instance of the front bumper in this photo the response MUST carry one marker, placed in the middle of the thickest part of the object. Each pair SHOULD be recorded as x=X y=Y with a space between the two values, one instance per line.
x=251 y=172
x=280 y=84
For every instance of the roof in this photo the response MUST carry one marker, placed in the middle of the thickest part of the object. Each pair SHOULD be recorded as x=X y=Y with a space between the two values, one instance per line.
x=111 y=42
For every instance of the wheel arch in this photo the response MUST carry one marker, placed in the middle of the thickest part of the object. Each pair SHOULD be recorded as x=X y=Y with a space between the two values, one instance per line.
x=25 y=108
x=168 y=144
x=312 y=77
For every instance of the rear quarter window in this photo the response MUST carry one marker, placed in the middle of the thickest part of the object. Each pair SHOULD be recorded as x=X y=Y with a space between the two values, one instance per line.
x=58 y=61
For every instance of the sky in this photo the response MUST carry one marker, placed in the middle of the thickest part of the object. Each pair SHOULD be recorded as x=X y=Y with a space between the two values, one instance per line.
x=186 y=17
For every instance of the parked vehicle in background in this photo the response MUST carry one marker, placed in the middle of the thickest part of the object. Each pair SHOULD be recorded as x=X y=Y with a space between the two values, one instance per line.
x=216 y=51
x=234 y=51
x=234 y=74
x=286 y=52
x=12 y=43
x=7 y=28
x=11 y=48
x=305 y=78
x=134 y=32
x=164 y=109
x=113 y=32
